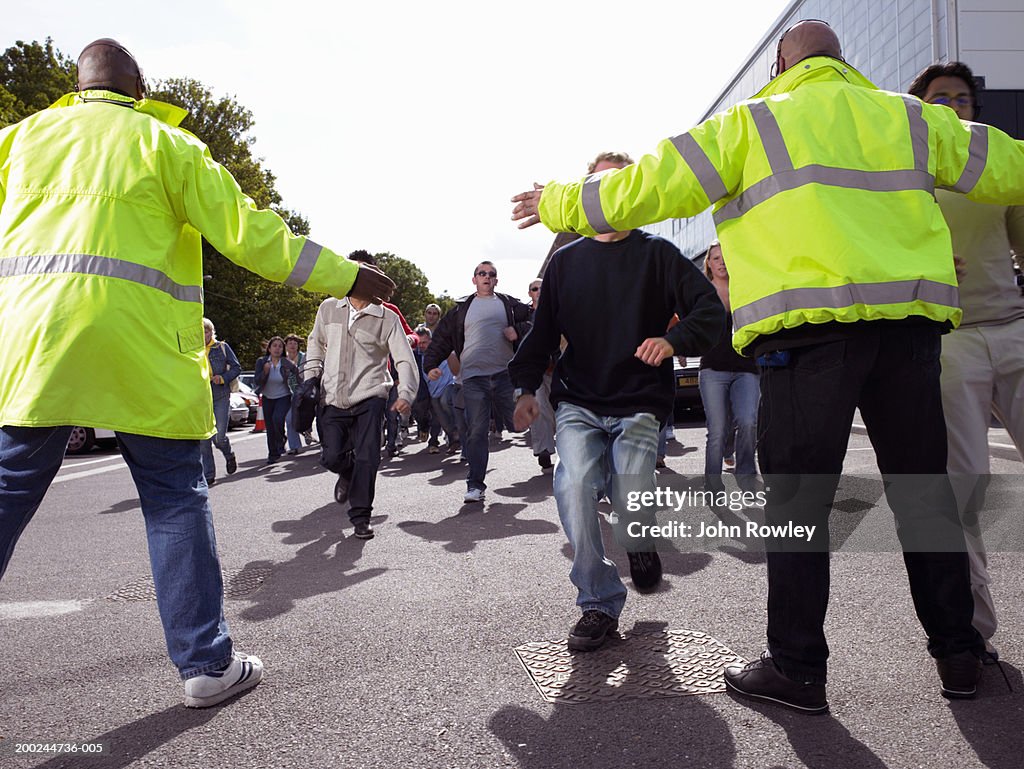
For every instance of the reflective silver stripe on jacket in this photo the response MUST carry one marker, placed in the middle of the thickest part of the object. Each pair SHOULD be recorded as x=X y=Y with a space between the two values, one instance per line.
x=874 y=294
x=977 y=157
x=771 y=138
x=705 y=171
x=304 y=264
x=871 y=181
x=785 y=177
x=103 y=266
x=590 y=199
x=918 y=132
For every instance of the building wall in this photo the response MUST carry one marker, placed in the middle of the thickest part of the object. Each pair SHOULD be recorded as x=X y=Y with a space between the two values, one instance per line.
x=889 y=42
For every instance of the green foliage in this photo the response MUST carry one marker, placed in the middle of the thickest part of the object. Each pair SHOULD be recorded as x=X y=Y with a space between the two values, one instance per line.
x=411 y=292
x=32 y=77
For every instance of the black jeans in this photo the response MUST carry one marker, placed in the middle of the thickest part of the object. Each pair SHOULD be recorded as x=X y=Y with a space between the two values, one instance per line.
x=275 y=411
x=891 y=373
x=350 y=445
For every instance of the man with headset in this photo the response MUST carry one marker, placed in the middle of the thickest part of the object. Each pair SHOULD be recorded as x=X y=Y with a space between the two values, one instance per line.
x=103 y=204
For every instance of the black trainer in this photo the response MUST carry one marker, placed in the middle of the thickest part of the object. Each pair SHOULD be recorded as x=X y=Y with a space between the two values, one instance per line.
x=232 y=463
x=762 y=680
x=363 y=530
x=959 y=674
x=544 y=460
x=591 y=631
x=645 y=570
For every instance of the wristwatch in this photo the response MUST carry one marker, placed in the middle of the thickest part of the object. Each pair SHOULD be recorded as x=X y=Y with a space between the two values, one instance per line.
x=519 y=392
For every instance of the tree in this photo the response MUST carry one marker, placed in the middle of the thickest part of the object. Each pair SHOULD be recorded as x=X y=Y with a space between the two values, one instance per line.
x=411 y=292
x=32 y=77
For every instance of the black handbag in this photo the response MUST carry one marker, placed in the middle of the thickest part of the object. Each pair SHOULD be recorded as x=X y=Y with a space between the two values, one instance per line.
x=306 y=397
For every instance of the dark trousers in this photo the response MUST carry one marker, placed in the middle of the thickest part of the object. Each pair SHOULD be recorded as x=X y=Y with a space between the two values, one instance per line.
x=891 y=373
x=275 y=410
x=350 y=443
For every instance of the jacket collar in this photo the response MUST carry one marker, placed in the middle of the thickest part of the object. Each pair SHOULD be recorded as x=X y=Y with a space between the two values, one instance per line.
x=162 y=111
x=370 y=309
x=817 y=69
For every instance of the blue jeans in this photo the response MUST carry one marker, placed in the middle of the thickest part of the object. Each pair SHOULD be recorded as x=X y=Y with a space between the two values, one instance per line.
x=294 y=439
x=482 y=395
x=598 y=453
x=179 y=528
x=444 y=417
x=221 y=409
x=723 y=392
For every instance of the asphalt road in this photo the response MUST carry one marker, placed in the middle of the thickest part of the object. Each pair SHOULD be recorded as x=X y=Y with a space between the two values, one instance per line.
x=398 y=652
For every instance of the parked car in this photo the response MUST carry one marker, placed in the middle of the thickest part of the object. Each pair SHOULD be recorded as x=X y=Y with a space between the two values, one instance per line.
x=248 y=378
x=252 y=400
x=687 y=389
x=84 y=438
x=238 y=414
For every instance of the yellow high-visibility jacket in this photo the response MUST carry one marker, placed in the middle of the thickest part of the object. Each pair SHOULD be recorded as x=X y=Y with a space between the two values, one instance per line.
x=823 y=187
x=103 y=203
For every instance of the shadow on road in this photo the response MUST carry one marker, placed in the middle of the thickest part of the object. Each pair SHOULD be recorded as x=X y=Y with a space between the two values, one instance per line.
x=315 y=569
x=472 y=524
x=993 y=724
x=820 y=741
x=132 y=742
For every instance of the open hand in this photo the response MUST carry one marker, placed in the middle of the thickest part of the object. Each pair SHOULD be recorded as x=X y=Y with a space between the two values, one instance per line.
x=527 y=206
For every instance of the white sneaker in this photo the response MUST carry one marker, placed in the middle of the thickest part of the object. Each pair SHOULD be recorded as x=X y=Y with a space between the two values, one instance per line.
x=474 y=495
x=244 y=672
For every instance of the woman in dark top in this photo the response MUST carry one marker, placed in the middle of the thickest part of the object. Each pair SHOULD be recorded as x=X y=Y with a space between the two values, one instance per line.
x=276 y=379
x=728 y=383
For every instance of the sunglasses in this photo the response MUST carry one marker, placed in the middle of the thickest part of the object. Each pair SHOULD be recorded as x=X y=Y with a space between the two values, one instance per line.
x=486 y=274
x=535 y=288
x=959 y=101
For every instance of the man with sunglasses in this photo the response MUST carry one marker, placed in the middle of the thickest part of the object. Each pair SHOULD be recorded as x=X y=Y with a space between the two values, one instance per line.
x=983 y=360
x=483 y=330
x=842 y=281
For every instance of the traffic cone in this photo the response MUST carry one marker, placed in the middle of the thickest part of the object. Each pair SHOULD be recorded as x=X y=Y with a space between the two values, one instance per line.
x=260 y=425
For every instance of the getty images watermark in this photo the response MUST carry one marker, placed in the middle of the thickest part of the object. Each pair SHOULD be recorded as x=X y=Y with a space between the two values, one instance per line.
x=893 y=513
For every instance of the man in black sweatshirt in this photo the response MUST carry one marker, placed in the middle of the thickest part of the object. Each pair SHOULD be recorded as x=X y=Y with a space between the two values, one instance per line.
x=612 y=387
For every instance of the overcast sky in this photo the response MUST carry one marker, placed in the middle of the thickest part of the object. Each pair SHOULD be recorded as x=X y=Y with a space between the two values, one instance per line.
x=407 y=126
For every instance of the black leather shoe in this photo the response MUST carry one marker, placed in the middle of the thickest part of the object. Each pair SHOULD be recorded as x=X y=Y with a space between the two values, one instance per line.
x=959 y=674
x=363 y=530
x=762 y=680
x=544 y=460
x=591 y=631
x=645 y=570
x=232 y=463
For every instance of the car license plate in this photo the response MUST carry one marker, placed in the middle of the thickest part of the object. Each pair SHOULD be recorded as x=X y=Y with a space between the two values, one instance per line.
x=685 y=381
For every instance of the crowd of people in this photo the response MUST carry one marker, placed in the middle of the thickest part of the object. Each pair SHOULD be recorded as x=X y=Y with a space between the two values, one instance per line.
x=832 y=287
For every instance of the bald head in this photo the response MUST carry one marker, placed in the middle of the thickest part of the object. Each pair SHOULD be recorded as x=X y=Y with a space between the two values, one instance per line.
x=806 y=39
x=107 y=64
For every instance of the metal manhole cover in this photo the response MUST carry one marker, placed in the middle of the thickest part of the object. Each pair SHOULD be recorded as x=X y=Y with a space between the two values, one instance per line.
x=671 y=663
x=238 y=583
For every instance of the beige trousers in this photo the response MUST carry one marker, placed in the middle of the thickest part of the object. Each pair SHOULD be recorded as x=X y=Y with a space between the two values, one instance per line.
x=982 y=374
